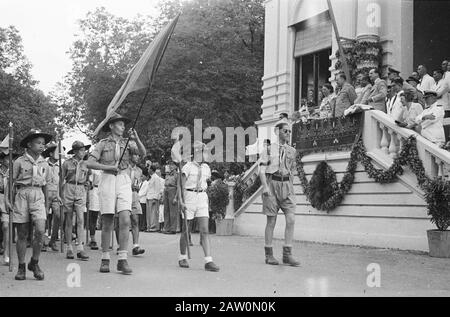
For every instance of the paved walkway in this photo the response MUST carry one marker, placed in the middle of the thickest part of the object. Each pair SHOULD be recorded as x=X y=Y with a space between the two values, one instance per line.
x=327 y=270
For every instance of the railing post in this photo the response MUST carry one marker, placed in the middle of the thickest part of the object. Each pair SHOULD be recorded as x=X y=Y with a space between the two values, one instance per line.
x=393 y=146
x=384 y=139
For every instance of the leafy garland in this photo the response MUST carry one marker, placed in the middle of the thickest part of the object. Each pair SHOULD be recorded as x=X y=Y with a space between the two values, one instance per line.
x=408 y=156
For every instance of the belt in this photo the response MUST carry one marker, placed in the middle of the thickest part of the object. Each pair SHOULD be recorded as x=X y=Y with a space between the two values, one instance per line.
x=19 y=186
x=74 y=183
x=2 y=191
x=280 y=178
x=195 y=190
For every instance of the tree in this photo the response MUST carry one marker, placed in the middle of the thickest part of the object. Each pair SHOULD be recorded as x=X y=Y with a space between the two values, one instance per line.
x=20 y=102
x=212 y=68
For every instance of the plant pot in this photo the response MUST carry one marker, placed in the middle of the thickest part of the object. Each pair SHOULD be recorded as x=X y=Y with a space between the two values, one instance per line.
x=439 y=243
x=224 y=227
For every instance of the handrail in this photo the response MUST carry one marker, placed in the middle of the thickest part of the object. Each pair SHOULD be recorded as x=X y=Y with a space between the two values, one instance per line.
x=381 y=134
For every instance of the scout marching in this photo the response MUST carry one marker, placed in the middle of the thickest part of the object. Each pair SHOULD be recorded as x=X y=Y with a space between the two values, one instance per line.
x=105 y=182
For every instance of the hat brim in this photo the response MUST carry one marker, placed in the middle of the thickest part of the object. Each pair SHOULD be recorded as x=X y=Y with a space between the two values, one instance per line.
x=106 y=126
x=47 y=151
x=72 y=151
x=28 y=138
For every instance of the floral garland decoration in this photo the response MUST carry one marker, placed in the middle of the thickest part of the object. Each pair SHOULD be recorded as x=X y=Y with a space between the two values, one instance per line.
x=408 y=156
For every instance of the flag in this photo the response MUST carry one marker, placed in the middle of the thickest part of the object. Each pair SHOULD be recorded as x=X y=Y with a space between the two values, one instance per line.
x=142 y=74
x=4 y=146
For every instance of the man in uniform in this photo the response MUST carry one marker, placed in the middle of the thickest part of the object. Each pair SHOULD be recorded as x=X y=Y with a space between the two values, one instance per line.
x=431 y=119
x=171 y=214
x=196 y=204
x=115 y=186
x=53 y=192
x=277 y=170
x=75 y=176
x=30 y=177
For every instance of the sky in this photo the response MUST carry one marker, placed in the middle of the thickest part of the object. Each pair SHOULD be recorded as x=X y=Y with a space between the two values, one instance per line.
x=47 y=28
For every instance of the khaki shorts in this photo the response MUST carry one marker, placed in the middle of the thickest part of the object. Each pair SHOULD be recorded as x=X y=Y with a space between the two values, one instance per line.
x=115 y=193
x=136 y=208
x=29 y=205
x=196 y=204
x=74 y=199
x=94 y=202
x=4 y=217
x=282 y=197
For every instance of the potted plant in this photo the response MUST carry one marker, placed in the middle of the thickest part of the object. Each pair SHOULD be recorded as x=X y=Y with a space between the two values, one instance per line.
x=438 y=198
x=219 y=197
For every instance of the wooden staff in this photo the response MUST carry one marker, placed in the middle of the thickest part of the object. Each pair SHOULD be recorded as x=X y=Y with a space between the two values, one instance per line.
x=87 y=210
x=183 y=210
x=10 y=194
x=61 y=209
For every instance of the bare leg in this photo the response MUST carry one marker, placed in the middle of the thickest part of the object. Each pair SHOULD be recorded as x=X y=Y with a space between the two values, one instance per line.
x=22 y=237
x=135 y=228
x=5 y=230
x=289 y=232
x=107 y=227
x=270 y=226
x=39 y=230
x=124 y=229
x=68 y=233
x=204 y=235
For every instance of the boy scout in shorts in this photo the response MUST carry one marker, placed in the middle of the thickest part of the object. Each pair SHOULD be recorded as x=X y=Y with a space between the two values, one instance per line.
x=30 y=177
x=75 y=176
x=115 y=186
x=53 y=192
x=194 y=182
x=277 y=170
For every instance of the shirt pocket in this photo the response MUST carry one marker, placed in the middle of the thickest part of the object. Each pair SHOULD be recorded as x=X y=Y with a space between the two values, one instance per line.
x=108 y=152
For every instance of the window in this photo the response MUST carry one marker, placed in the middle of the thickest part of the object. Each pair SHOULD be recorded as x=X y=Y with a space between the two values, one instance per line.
x=311 y=73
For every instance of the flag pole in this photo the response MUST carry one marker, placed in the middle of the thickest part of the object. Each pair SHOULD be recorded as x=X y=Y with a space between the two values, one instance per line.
x=183 y=210
x=61 y=208
x=10 y=194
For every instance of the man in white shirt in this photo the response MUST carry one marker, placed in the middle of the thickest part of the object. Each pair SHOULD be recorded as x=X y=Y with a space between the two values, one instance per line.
x=426 y=81
x=196 y=205
x=431 y=119
x=441 y=88
x=153 y=196
x=143 y=200
x=394 y=105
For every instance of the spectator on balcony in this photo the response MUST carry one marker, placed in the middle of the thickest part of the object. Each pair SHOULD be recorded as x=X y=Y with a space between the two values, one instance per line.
x=416 y=76
x=444 y=67
x=441 y=88
x=394 y=106
x=426 y=81
x=326 y=105
x=363 y=98
x=345 y=95
x=410 y=111
x=418 y=98
x=431 y=119
x=393 y=74
x=378 y=92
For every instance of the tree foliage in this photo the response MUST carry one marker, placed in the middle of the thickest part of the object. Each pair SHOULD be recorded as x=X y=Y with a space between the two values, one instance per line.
x=212 y=68
x=20 y=102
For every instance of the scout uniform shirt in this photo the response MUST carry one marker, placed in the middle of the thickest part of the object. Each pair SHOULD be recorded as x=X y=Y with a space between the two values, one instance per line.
x=195 y=196
x=30 y=176
x=75 y=177
x=108 y=152
x=278 y=163
x=115 y=194
x=75 y=172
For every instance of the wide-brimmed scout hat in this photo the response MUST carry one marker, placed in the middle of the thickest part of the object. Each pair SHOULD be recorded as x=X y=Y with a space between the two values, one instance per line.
x=78 y=145
x=33 y=134
x=50 y=148
x=114 y=118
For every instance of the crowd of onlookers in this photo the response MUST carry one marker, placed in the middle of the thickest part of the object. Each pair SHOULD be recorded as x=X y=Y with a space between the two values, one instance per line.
x=419 y=102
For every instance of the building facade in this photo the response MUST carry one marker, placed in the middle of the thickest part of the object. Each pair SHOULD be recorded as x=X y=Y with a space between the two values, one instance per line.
x=300 y=44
